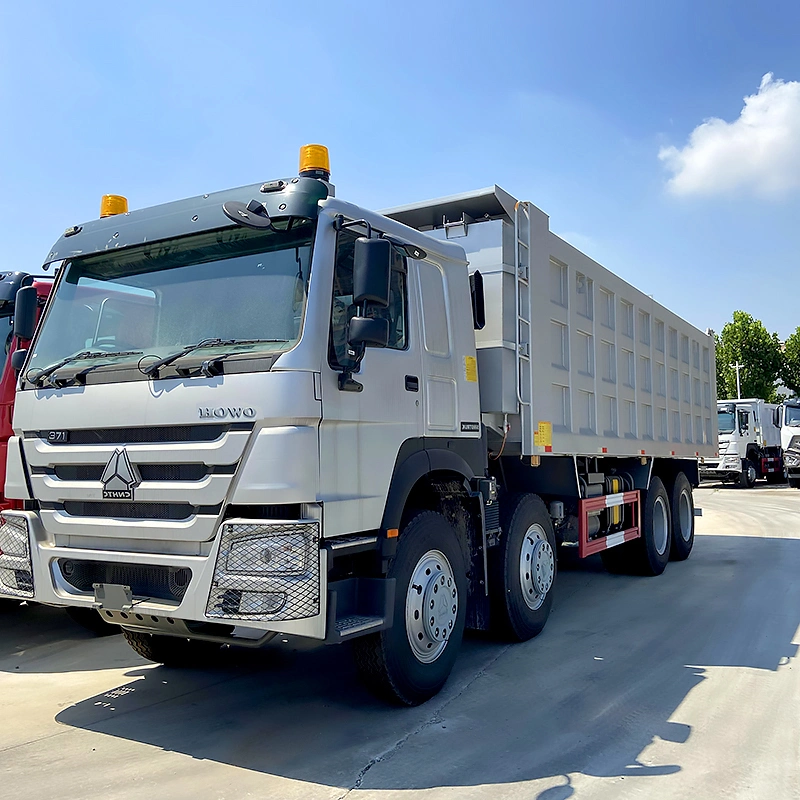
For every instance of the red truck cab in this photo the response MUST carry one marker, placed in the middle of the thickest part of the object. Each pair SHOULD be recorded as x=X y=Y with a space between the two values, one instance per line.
x=10 y=284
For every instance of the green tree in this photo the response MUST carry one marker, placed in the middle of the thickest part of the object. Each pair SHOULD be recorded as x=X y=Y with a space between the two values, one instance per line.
x=746 y=341
x=790 y=374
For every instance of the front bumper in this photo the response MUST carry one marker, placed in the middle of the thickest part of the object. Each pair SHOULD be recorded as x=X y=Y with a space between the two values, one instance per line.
x=260 y=575
x=725 y=467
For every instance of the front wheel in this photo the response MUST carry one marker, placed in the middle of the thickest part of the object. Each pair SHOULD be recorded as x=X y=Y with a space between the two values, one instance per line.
x=682 y=513
x=411 y=661
x=523 y=569
x=747 y=478
x=91 y=620
x=793 y=481
x=171 y=651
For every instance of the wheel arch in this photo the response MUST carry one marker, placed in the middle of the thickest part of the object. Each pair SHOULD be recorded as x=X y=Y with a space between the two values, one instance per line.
x=414 y=475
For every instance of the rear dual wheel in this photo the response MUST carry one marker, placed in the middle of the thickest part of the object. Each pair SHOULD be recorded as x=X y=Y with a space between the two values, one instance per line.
x=682 y=513
x=649 y=554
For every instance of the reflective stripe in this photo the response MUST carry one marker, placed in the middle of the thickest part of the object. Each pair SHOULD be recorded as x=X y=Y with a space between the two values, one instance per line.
x=614 y=499
x=615 y=539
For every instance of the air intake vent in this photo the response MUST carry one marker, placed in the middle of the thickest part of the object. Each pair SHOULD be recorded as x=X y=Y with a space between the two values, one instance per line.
x=166 y=511
x=163 y=583
x=172 y=433
x=149 y=472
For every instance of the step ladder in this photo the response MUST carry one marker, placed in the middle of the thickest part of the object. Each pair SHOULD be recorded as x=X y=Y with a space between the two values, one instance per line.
x=522 y=304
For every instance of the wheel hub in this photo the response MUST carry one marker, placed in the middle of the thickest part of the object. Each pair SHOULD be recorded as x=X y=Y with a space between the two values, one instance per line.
x=431 y=606
x=536 y=567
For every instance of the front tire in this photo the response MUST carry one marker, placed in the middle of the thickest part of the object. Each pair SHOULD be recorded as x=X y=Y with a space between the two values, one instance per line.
x=171 y=651
x=793 y=481
x=523 y=569
x=410 y=662
x=91 y=620
x=682 y=513
x=747 y=478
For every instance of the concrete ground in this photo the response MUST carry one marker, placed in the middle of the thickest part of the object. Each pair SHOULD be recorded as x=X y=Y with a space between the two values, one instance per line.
x=682 y=686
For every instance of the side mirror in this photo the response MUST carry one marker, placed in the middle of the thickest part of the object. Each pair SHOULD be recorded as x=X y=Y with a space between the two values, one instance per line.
x=18 y=360
x=478 y=301
x=776 y=417
x=372 y=269
x=368 y=332
x=25 y=312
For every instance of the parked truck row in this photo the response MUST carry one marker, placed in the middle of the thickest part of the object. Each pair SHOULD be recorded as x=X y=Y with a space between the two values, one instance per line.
x=270 y=411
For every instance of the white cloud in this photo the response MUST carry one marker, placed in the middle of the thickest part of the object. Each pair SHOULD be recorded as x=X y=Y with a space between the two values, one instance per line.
x=759 y=151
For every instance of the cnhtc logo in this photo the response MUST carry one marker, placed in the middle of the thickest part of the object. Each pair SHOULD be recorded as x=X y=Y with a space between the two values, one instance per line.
x=120 y=477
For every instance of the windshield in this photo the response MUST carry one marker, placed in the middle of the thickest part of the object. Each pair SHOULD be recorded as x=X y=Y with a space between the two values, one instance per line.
x=725 y=421
x=152 y=300
x=792 y=417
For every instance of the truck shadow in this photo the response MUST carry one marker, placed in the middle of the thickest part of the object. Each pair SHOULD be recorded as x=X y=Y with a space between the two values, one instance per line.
x=33 y=637
x=617 y=659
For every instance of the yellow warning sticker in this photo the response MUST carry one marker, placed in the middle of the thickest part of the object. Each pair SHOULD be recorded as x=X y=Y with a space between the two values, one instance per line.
x=543 y=435
x=471 y=369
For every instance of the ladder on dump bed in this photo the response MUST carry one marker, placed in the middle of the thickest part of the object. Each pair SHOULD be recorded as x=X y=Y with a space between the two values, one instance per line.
x=522 y=304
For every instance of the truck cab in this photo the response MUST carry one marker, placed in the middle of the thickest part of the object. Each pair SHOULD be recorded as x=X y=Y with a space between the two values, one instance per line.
x=787 y=417
x=10 y=284
x=749 y=444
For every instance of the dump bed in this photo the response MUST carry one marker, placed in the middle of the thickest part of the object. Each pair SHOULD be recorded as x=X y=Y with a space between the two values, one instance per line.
x=574 y=358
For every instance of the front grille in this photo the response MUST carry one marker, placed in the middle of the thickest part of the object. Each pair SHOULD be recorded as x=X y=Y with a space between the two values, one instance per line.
x=162 y=583
x=115 y=510
x=156 y=435
x=149 y=472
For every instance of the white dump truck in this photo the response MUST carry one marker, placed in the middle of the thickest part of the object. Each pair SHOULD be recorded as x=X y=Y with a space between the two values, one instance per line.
x=749 y=444
x=270 y=411
x=787 y=419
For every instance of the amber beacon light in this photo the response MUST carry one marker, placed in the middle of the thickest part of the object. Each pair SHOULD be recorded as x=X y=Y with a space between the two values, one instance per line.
x=113 y=204
x=314 y=161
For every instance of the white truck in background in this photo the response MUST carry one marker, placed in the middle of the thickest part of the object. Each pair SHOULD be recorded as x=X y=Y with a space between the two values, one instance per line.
x=749 y=444
x=787 y=418
x=275 y=412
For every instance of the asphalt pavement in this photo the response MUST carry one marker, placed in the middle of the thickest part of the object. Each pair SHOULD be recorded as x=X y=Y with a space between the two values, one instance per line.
x=681 y=686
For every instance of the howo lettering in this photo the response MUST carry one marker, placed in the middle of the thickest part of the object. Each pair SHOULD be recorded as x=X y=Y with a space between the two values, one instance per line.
x=221 y=413
x=349 y=426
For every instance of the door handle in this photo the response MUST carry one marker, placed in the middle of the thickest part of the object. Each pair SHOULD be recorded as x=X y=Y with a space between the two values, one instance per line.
x=412 y=383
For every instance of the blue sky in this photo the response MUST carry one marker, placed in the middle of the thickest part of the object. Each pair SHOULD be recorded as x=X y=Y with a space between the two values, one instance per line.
x=566 y=104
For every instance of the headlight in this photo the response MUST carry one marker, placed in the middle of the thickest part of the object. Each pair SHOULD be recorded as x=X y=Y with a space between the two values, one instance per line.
x=16 y=572
x=269 y=555
x=266 y=571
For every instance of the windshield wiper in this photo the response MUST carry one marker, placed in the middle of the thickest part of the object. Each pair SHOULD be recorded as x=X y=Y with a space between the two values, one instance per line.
x=153 y=368
x=82 y=356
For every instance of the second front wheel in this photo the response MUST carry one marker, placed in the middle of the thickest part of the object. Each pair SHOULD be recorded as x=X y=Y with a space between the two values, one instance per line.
x=523 y=568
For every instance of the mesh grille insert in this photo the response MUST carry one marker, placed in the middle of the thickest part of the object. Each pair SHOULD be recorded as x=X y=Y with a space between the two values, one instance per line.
x=163 y=583
x=149 y=472
x=171 y=511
